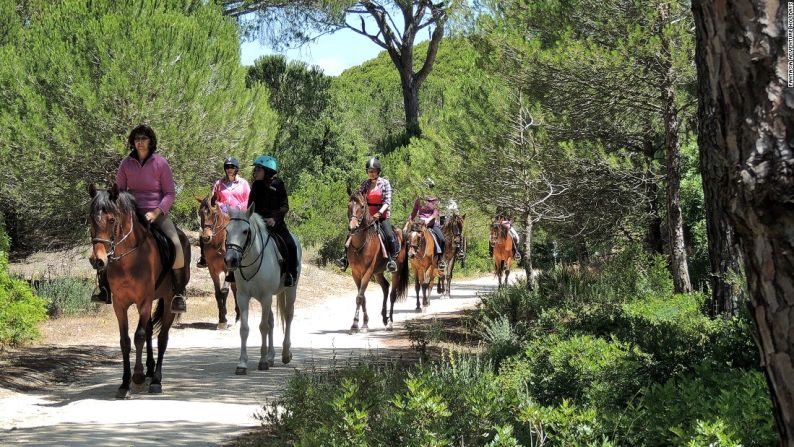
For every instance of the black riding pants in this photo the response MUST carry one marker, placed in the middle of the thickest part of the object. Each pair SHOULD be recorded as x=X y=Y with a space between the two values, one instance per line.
x=436 y=229
x=388 y=231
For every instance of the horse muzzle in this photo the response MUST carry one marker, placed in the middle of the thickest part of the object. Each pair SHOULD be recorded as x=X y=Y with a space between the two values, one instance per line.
x=232 y=258
x=98 y=263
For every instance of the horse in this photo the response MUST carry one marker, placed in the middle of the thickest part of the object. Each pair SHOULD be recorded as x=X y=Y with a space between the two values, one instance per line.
x=124 y=245
x=251 y=250
x=502 y=245
x=213 y=236
x=453 y=234
x=422 y=253
x=365 y=255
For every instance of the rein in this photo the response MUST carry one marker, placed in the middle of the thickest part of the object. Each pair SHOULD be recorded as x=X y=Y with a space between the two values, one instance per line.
x=244 y=249
x=112 y=257
x=216 y=231
x=360 y=229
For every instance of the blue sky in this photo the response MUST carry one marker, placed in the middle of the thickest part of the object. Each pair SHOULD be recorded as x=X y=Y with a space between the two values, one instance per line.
x=333 y=53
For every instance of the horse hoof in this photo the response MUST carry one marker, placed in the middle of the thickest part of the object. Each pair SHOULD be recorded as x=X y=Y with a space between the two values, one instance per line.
x=390 y=327
x=138 y=378
x=241 y=371
x=364 y=330
x=155 y=388
x=353 y=330
x=286 y=358
x=264 y=366
x=121 y=393
x=222 y=326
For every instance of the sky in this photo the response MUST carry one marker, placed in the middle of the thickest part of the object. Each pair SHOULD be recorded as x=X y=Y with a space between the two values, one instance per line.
x=333 y=52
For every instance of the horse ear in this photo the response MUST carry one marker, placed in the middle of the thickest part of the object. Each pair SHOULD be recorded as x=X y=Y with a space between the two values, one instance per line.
x=92 y=190
x=463 y=217
x=114 y=192
x=198 y=199
x=213 y=200
x=251 y=209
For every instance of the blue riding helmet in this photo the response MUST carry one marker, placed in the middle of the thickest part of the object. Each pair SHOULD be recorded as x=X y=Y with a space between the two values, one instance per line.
x=266 y=162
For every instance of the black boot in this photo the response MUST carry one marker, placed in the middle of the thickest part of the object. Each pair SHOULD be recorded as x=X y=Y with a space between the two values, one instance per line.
x=490 y=251
x=442 y=265
x=201 y=263
x=178 y=304
x=342 y=262
x=289 y=279
x=102 y=294
x=391 y=264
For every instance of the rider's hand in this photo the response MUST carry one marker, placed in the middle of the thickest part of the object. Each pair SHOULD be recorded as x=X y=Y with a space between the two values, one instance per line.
x=270 y=222
x=152 y=215
x=377 y=215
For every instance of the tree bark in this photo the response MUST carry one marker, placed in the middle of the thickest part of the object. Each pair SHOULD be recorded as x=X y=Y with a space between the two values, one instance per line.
x=527 y=252
x=742 y=70
x=675 y=222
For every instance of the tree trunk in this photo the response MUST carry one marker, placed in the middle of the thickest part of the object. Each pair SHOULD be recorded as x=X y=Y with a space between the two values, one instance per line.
x=410 y=88
x=675 y=222
x=527 y=251
x=654 y=243
x=742 y=70
x=582 y=255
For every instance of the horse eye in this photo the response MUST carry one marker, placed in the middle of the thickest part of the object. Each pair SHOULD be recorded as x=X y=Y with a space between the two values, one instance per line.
x=112 y=220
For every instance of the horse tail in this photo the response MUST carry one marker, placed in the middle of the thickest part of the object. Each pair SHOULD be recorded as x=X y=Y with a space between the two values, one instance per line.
x=401 y=286
x=157 y=317
x=281 y=300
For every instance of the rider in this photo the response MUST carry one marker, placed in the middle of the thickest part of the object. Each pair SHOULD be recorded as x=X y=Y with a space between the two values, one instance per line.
x=230 y=191
x=504 y=219
x=377 y=190
x=269 y=199
x=147 y=175
x=427 y=210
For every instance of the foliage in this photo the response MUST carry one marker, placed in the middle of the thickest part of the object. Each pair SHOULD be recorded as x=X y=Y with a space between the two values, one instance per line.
x=20 y=309
x=82 y=74
x=65 y=294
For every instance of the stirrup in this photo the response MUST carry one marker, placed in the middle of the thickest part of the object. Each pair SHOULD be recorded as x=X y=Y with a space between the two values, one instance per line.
x=101 y=295
x=289 y=280
x=517 y=256
x=201 y=263
x=442 y=265
x=391 y=265
x=341 y=263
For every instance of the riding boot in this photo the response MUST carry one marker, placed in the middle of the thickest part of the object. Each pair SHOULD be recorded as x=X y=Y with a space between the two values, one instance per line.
x=178 y=304
x=202 y=262
x=391 y=264
x=490 y=251
x=102 y=294
x=342 y=262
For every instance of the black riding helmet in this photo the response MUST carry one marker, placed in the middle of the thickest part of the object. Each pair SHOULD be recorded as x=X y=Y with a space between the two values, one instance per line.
x=231 y=161
x=373 y=163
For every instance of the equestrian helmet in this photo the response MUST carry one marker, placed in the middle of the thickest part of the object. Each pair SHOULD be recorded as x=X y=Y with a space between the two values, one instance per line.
x=231 y=161
x=266 y=162
x=373 y=163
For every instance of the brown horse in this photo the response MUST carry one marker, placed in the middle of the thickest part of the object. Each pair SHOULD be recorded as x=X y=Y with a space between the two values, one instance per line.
x=421 y=252
x=213 y=236
x=453 y=234
x=365 y=255
x=125 y=247
x=502 y=245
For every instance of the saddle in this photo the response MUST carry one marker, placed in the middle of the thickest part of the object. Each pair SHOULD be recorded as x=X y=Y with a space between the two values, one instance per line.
x=166 y=252
x=281 y=249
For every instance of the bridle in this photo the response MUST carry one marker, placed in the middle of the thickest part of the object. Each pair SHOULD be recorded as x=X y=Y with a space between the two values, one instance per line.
x=215 y=230
x=358 y=228
x=113 y=244
x=244 y=248
x=419 y=246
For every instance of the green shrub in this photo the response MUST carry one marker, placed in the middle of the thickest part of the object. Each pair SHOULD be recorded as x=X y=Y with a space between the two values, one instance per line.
x=501 y=340
x=67 y=296
x=585 y=370
x=20 y=309
x=712 y=406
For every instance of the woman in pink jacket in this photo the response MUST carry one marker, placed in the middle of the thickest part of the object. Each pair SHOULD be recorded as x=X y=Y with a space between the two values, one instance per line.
x=148 y=177
x=230 y=191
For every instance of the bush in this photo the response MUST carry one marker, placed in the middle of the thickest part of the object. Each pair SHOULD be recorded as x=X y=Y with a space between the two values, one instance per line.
x=20 y=309
x=67 y=296
x=711 y=406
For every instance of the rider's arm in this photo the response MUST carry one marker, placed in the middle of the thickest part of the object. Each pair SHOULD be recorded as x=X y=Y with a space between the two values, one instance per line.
x=167 y=186
x=386 y=196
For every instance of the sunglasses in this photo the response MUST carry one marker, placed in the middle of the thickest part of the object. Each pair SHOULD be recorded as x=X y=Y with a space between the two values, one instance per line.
x=141 y=138
x=229 y=167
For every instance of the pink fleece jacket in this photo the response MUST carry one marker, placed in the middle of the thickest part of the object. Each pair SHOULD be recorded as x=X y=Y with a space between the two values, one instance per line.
x=152 y=183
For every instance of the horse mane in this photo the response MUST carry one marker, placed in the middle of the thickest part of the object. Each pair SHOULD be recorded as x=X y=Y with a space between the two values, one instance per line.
x=124 y=204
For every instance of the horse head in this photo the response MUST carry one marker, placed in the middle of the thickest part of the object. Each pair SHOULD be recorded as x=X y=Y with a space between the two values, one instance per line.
x=357 y=212
x=498 y=231
x=239 y=234
x=416 y=239
x=453 y=230
x=212 y=219
x=110 y=213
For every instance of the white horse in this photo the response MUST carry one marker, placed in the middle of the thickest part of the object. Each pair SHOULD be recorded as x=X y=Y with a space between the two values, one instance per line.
x=252 y=252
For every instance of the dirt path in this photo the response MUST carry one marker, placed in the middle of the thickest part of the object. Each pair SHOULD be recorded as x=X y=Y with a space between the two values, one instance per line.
x=203 y=401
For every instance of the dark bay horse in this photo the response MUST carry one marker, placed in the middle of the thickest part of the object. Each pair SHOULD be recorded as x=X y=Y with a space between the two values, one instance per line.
x=422 y=255
x=365 y=255
x=213 y=236
x=453 y=234
x=125 y=247
x=502 y=245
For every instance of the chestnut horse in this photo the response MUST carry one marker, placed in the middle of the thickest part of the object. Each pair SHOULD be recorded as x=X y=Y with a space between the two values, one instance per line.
x=453 y=234
x=213 y=236
x=365 y=255
x=123 y=245
x=421 y=252
x=502 y=245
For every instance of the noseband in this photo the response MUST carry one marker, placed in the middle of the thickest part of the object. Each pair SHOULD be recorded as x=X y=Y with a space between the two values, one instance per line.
x=113 y=244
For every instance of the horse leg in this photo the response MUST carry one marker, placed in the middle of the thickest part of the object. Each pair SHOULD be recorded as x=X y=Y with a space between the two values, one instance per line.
x=220 y=300
x=242 y=364
x=149 y=352
x=155 y=387
x=124 y=341
x=144 y=315
x=266 y=351
x=286 y=310
x=236 y=307
x=416 y=289
x=384 y=285
x=354 y=327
